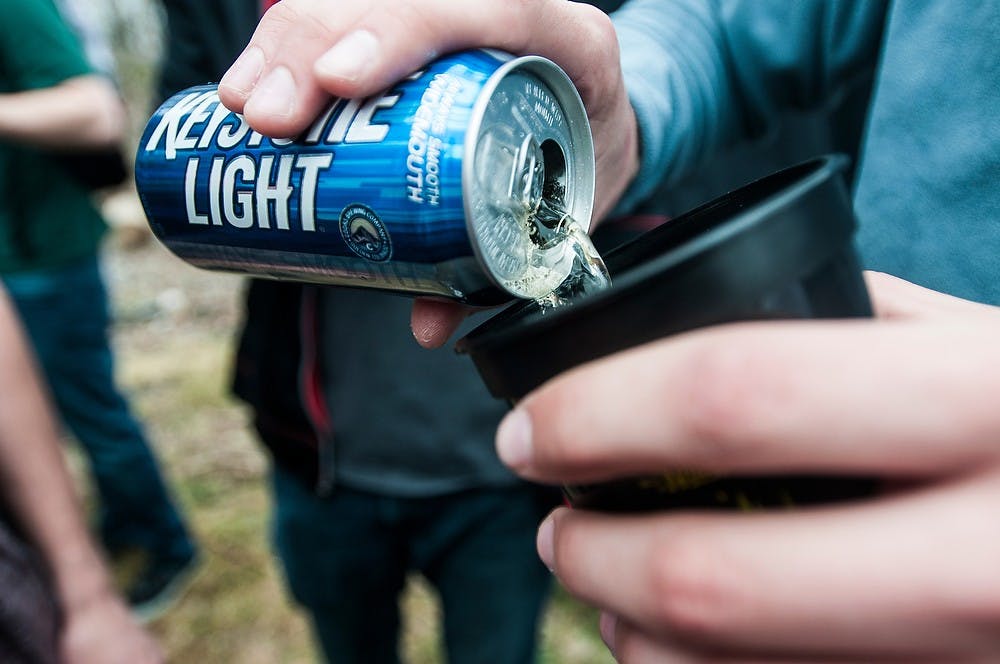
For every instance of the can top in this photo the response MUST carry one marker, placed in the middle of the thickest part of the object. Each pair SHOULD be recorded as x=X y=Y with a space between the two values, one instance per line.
x=529 y=139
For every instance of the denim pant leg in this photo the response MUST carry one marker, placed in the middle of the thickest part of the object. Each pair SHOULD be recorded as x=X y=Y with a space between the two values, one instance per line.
x=478 y=549
x=65 y=312
x=345 y=563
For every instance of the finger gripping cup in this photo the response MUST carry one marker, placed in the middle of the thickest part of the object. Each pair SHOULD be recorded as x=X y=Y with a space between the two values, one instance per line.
x=778 y=248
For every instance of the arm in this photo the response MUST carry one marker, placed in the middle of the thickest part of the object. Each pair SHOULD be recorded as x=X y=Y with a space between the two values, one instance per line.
x=698 y=74
x=35 y=485
x=51 y=97
x=81 y=112
x=704 y=74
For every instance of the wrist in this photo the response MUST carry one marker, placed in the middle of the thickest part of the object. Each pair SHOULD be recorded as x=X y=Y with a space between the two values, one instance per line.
x=81 y=579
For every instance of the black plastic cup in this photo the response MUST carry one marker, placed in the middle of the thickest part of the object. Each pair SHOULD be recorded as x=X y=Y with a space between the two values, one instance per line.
x=778 y=248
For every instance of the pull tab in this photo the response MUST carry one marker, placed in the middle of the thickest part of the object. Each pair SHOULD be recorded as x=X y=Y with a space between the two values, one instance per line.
x=528 y=175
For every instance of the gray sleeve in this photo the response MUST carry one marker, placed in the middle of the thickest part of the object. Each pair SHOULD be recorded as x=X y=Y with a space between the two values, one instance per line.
x=702 y=74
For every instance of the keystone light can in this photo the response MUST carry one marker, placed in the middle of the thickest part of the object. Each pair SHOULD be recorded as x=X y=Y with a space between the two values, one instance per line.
x=425 y=189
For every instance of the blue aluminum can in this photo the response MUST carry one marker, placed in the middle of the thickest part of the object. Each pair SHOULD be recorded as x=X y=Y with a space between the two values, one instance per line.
x=422 y=189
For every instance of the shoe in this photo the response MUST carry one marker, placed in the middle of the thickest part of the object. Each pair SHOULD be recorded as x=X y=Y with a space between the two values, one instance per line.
x=159 y=585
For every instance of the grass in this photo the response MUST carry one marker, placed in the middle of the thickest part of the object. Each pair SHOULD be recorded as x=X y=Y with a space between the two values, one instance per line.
x=174 y=339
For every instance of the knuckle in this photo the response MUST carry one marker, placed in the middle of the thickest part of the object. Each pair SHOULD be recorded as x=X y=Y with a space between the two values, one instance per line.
x=727 y=401
x=693 y=593
x=520 y=17
x=599 y=33
x=559 y=438
x=298 y=21
x=282 y=15
x=598 y=43
x=405 y=18
x=559 y=450
x=570 y=546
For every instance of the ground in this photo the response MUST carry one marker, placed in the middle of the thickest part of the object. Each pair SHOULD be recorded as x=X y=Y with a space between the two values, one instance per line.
x=174 y=332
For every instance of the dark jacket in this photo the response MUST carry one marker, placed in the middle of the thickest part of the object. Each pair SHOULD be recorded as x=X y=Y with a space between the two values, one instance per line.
x=276 y=362
x=203 y=40
x=277 y=373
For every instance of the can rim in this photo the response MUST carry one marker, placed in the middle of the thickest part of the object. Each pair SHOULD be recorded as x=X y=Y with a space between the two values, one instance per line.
x=567 y=96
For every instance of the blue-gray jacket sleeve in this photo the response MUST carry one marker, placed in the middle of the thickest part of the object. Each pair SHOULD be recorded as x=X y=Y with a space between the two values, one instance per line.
x=703 y=74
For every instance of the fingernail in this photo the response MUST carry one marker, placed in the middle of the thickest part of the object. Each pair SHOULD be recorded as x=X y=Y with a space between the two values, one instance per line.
x=607 y=627
x=514 y=439
x=427 y=333
x=545 y=543
x=274 y=94
x=350 y=57
x=243 y=75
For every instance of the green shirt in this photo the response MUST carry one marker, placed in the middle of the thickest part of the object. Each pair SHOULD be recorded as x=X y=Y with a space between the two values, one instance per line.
x=47 y=219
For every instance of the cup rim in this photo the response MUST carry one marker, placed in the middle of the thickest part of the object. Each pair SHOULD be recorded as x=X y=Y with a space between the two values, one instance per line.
x=769 y=197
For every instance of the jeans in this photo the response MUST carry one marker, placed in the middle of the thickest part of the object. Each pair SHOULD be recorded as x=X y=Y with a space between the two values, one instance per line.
x=65 y=313
x=346 y=558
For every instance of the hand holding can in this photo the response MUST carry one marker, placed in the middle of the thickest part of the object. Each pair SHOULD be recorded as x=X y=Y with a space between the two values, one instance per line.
x=426 y=188
x=304 y=52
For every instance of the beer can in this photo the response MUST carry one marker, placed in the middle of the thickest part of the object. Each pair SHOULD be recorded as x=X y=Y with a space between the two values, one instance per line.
x=424 y=189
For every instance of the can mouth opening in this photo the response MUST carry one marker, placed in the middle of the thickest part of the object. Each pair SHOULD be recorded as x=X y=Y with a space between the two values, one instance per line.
x=554 y=179
x=550 y=205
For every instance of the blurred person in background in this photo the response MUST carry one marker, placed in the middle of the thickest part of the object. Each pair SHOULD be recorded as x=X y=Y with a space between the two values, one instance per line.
x=374 y=475
x=92 y=33
x=54 y=113
x=58 y=602
x=908 y=575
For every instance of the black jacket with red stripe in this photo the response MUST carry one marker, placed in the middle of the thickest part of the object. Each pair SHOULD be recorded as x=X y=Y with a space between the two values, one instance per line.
x=277 y=373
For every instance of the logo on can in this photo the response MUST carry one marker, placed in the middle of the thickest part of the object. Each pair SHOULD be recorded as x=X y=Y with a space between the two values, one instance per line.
x=365 y=233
